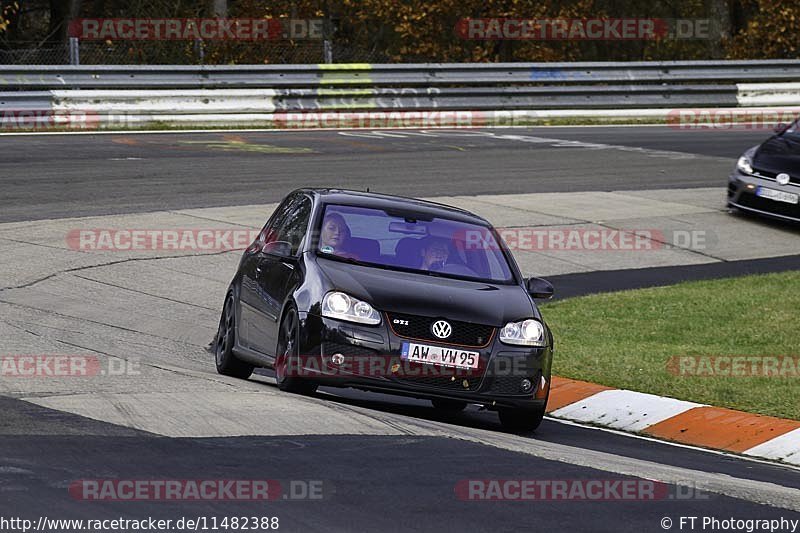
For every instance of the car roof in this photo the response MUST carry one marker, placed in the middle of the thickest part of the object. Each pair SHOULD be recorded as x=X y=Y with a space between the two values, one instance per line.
x=388 y=201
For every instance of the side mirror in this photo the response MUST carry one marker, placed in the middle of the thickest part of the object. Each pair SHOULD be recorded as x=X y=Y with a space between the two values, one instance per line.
x=282 y=248
x=539 y=288
x=780 y=127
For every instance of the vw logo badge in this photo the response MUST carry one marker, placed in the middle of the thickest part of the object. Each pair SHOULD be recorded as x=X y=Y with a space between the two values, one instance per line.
x=782 y=178
x=442 y=329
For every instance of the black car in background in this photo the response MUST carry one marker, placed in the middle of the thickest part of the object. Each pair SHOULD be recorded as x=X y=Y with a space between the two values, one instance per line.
x=766 y=179
x=389 y=294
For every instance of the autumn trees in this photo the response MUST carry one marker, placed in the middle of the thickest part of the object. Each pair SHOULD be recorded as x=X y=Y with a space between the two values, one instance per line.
x=425 y=30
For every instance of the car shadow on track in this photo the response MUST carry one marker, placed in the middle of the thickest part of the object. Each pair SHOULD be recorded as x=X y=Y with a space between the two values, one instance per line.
x=473 y=416
x=765 y=221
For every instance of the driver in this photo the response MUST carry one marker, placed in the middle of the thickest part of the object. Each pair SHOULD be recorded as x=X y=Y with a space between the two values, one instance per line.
x=434 y=253
x=334 y=233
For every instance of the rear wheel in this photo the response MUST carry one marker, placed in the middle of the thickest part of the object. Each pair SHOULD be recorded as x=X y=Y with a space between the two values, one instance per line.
x=287 y=362
x=452 y=406
x=227 y=362
x=521 y=420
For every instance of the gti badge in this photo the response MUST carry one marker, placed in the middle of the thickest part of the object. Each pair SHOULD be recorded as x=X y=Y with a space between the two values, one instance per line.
x=782 y=178
x=442 y=329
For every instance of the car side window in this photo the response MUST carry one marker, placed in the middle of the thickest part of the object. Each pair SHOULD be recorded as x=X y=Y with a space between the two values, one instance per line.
x=269 y=232
x=291 y=225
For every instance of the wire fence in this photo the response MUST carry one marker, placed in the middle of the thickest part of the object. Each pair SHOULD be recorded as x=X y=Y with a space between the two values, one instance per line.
x=185 y=53
x=336 y=49
x=28 y=53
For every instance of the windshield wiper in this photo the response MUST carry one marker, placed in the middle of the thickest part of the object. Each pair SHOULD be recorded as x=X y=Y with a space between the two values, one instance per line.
x=343 y=259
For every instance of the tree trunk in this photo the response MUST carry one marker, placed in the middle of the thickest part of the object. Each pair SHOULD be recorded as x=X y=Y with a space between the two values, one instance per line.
x=61 y=12
x=219 y=8
x=720 y=14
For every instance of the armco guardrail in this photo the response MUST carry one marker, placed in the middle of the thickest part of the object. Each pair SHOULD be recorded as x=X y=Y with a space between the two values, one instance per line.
x=448 y=99
x=383 y=75
x=251 y=94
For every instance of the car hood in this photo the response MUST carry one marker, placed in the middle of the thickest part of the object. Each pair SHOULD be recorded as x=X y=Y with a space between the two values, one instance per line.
x=419 y=294
x=780 y=153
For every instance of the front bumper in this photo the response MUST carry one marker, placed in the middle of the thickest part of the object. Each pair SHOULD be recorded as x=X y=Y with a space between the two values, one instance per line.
x=742 y=195
x=372 y=361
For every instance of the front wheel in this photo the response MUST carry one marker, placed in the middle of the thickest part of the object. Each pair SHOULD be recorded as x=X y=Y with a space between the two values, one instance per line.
x=521 y=420
x=287 y=362
x=227 y=362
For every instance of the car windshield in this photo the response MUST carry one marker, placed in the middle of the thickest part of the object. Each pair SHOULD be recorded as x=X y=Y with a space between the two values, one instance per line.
x=793 y=130
x=407 y=241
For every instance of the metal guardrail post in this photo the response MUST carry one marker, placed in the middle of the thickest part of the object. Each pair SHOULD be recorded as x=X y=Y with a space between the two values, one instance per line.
x=74 y=51
x=327 y=52
x=200 y=50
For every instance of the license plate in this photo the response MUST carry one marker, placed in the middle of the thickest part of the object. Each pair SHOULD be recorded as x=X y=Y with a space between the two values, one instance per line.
x=437 y=355
x=778 y=196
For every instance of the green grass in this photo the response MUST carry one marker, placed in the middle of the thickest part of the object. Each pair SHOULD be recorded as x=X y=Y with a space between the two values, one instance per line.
x=626 y=339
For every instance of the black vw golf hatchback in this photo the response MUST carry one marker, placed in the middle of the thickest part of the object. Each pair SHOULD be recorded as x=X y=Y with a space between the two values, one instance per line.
x=766 y=179
x=389 y=294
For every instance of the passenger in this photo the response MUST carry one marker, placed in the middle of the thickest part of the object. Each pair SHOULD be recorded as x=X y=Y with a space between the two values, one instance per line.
x=335 y=237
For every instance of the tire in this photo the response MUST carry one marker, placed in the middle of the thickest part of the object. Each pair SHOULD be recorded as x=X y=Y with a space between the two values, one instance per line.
x=452 y=406
x=227 y=362
x=287 y=356
x=521 y=420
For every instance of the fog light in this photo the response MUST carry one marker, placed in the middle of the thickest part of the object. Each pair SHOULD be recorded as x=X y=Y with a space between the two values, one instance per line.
x=526 y=385
x=337 y=359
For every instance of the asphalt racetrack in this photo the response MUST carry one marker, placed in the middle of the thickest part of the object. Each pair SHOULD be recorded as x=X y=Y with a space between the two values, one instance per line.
x=383 y=463
x=79 y=175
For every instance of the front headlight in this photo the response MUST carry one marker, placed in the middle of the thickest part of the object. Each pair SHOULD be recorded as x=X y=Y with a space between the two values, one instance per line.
x=744 y=165
x=526 y=333
x=343 y=307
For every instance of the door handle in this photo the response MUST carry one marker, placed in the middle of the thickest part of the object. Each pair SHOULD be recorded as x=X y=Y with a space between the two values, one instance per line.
x=288 y=265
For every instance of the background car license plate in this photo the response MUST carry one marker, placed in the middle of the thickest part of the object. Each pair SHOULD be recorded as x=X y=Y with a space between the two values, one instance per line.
x=778 y=196
x=423 y=353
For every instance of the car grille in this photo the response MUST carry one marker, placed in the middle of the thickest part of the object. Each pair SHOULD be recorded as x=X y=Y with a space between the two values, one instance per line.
x=419 y=328
x=772 y=176
x=770 y=206
x=443 y=382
